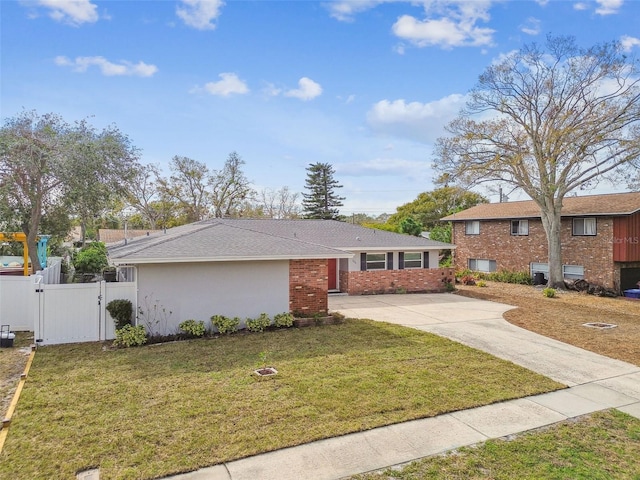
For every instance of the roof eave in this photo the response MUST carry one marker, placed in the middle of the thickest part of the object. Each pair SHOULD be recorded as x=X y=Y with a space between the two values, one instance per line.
x=150 y=260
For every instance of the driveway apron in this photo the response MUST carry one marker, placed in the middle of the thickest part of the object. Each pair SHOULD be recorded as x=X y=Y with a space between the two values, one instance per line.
x=479 y=324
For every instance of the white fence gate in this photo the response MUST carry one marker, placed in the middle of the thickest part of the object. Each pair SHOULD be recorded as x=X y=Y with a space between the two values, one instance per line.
x=73 y=313
x=61 y=313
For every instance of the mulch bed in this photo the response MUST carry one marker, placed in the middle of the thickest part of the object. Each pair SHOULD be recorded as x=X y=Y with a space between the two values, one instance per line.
x=563 y=317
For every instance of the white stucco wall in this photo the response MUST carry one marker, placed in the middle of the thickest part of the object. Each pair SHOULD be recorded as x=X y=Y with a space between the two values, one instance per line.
x=199 y=290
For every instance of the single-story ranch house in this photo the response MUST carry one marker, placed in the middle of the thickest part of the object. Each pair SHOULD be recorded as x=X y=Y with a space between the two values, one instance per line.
x=241 y=267
x=600 y=238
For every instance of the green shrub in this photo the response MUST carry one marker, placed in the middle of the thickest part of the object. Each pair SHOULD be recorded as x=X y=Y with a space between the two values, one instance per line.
x=549 y=292
x=130 y=336
x=121 y=311
x=193 y=327
x=258 y=324
x=91 y=259
x=505 y=276
x=284 y=319
x=465 y=272
x=481 y=283
x=225 y=325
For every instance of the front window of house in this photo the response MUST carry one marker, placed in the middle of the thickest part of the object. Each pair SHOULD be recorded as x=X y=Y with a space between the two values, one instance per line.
x=519 y=227
x=472 y=227
x=584 y=226
x=482 y=265
x=376 y=261
x=413 y=260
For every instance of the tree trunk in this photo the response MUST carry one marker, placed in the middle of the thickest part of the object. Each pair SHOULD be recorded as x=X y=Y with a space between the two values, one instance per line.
x=32 y=237
x=551 y=220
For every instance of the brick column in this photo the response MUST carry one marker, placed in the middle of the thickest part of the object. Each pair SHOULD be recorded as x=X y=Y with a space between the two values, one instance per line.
x=308 y=286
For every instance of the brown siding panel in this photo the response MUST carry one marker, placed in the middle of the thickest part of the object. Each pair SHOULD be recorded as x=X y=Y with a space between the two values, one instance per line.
x=626 y=238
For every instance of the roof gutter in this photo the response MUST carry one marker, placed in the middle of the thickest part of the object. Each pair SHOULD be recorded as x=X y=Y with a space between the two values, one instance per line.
x=136 y=261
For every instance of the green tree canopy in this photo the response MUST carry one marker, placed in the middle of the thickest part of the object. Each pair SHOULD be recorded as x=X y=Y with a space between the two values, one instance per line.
x=46 y=163
x=411 y=226
x=321 y=200
x=430 y=207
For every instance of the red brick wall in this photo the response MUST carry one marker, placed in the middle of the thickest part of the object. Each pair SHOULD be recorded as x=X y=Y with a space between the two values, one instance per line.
x=515 y=253
x=394 y=281
x=308 y=286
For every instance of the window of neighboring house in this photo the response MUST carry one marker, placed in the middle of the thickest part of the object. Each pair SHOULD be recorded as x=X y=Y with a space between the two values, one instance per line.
x=573 y=272
x=376 y=261
x=472 y=227
x=519 y=227
x=481 y=265
x=584 y=226
x=540 y=268
x=412 y=259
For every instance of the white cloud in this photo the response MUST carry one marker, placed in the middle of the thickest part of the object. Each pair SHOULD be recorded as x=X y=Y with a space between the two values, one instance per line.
x=228 y=84
x=580 y=6
x=423 y=122
x=531 y=26
x=72 y=12
x=271 y=90
x=346 y=10
x=608 y=7
x=82 y=64
x=447 y=24
x=307 y=90
x=200 y=14
x=542 y=3
x=627 y=42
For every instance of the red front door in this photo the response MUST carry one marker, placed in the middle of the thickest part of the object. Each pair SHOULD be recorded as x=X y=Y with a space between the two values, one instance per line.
x=333 y=285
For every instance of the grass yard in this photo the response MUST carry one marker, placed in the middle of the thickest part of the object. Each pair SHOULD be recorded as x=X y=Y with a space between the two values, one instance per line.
x=156 y=410
x=562 y=317
x=601 y=446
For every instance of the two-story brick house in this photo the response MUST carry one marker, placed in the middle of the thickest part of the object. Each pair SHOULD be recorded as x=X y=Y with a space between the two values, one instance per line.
x=600 y=238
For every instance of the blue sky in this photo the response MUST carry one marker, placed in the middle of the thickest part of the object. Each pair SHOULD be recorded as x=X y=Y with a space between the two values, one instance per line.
x=365 y=85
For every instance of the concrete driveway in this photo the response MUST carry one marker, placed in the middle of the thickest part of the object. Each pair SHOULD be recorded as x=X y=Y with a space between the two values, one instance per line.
x=479 y=324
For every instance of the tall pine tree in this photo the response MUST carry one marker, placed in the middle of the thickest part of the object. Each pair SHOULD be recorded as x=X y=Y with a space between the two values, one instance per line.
x=321 y=201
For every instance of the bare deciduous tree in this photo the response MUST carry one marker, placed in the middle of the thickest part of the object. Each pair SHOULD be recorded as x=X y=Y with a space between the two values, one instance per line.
x=280 y=204
x=188 y=185
x=230 y=188
x=548 y=121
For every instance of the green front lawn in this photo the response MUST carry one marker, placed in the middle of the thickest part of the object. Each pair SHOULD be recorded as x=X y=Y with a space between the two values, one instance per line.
x=602 y=446
x=155 y=410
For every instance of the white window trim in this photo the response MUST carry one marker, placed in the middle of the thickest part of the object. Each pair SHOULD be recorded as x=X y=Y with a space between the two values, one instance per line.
x=592 y=227
x=475 y=227
x=490 y=263
x=523 y=228
x=420 y=260
x=384 y=261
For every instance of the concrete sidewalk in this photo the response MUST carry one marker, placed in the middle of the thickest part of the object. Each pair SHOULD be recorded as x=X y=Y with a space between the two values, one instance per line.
x=597 y=383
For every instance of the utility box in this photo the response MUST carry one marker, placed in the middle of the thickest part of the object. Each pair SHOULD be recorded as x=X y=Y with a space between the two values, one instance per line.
x=6 y=337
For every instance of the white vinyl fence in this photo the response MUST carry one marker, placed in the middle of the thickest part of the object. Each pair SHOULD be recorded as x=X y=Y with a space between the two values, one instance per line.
x=17 y=302
x=61 y=313
x=51 y=274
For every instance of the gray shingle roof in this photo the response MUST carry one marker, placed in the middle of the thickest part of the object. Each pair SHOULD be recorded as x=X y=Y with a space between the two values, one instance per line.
x=238 y=239
x=331 y=233
x=613 y=204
